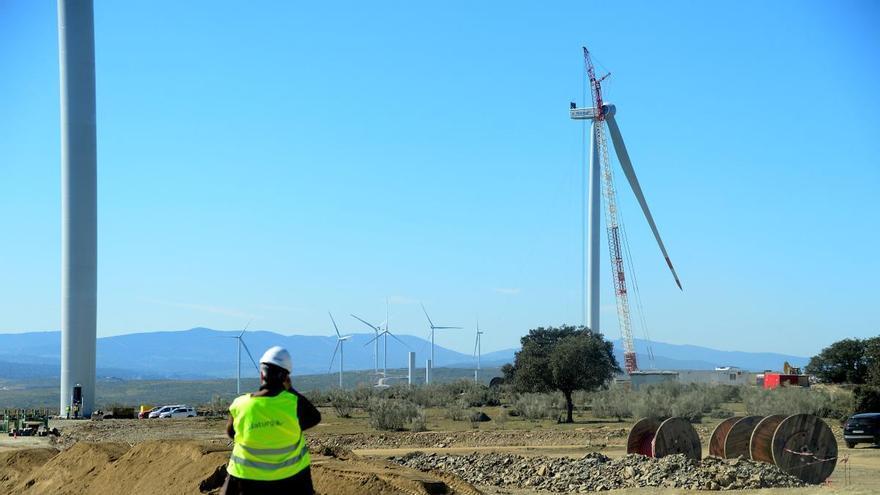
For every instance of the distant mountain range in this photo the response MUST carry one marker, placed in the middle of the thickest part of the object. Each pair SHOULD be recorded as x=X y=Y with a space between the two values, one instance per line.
x=205 y=353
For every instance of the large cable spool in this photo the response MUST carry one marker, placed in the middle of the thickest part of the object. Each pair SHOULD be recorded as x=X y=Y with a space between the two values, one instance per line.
x=719 y=435
x=677 y=436
x=805 y=447
x=761 y=443
x=736 y=443
x=641 y=435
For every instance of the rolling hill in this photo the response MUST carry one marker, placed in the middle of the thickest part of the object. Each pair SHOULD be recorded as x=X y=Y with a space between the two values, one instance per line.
x=202 y=353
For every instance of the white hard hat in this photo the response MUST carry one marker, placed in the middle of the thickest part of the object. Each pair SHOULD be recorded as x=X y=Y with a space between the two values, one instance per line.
x=278 y=356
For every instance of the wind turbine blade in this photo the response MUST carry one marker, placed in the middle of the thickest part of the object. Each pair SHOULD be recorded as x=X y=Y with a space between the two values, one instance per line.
x=257 y=367
x=374 y=338
x=365 y=323
x=626 y=165
x=426 y=315
x=447 y=328
x=476 y=343
x=335 y=349
x=395 y=338
x=245 y=327
x=334 y=324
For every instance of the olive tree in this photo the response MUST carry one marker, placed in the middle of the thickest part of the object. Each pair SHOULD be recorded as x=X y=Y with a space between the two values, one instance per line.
x=566 y=358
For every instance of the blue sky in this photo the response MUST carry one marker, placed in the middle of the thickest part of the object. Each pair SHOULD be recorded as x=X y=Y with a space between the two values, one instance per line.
x=276 y=162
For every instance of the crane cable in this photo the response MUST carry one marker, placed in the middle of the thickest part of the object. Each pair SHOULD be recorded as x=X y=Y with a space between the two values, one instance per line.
x=628 y=258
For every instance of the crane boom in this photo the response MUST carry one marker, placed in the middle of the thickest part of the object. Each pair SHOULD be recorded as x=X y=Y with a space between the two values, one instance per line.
x=615 y=251
x=612 y=220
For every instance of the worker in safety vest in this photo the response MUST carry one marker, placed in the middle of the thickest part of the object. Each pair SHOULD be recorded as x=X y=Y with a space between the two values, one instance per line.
x=270 y=454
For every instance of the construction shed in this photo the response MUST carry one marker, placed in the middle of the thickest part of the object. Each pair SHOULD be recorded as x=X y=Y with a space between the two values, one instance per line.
x=640 y=379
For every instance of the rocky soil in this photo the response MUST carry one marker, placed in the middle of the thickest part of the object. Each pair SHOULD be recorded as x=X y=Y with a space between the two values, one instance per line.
x=596 y=471
x=594 y=437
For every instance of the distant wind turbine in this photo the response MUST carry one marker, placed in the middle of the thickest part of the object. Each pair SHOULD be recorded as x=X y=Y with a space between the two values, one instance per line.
x=477 y=352
x=240 y=339
x=339 y=341
x=377 y=329
x=435 y=327
x=385 y=333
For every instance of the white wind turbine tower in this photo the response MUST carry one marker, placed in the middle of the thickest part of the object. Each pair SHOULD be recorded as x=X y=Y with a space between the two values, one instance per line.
x=385 y=333
x=477 y=352
x=339 y=347
x=435 y=327
x=377 y=329
x=240 y=339
x=598 y=114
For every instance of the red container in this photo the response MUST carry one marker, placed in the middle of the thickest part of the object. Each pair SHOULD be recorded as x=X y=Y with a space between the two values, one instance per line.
x=774 y=380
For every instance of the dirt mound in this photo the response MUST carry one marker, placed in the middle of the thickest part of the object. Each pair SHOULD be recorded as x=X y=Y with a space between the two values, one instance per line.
x=595 y=471
x=193 y=467
x=16 y=465
x=110 y=468
x=72 y=471
x=157 y=466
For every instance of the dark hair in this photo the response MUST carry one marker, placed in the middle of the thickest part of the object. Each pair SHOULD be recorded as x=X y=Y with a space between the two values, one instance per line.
x=273 y=376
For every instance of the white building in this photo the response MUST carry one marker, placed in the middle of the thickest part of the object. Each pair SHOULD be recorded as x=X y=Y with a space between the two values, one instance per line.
x=726 y=375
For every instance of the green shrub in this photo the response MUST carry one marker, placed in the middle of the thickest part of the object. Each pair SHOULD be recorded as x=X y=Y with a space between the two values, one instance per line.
x=419 y=422
x=664 y=400
x=866 y=399
x=391 y=414
x=343 y=402
x=500 y=419
x=456 y=410
x=538 y=406
x=616 y=402
x=822 y=402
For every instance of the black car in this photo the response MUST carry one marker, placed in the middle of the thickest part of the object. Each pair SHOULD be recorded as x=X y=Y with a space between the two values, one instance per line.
x=862 y=428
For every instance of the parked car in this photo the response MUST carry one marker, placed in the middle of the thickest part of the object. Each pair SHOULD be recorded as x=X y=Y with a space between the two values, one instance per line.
x=862 y=428
x=146 y=414
x=179 y=412
x=164 y=409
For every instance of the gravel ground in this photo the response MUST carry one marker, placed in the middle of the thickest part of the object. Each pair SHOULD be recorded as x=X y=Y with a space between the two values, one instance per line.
x=597 y=437
x=596 y=471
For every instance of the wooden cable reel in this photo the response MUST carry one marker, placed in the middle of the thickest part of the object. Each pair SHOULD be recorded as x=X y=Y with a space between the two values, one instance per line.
x=805 y=447
x=761 y=443
x=719 y=434
x=736 y=443
x=652 y=438
x=677 y=436
x=801 y=445
x=641 y=436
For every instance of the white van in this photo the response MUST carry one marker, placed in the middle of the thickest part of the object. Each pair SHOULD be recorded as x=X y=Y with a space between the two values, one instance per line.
x=157 y=413
x=179 y=412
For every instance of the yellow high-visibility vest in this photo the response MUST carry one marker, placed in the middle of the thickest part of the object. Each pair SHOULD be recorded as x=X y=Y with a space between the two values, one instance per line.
x=269 y=443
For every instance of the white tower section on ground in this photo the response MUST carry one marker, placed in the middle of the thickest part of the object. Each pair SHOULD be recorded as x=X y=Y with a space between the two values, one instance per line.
x=79 y=232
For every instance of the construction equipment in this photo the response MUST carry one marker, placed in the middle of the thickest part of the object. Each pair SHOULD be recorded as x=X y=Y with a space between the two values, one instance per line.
x=600 y=114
